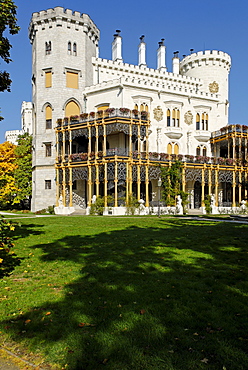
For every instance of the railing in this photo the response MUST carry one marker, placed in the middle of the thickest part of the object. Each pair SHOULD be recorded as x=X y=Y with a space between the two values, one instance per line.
x=108 y=113
x=229 y=129
x=117 y=151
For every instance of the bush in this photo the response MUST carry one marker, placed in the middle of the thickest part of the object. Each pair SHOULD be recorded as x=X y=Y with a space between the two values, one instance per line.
x=207 y=203
x=7 y=261
x=131 y=205
x=97 y=208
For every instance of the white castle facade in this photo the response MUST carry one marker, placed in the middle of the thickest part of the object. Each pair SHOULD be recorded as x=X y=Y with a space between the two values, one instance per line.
x=105 y=127
x=26 y=123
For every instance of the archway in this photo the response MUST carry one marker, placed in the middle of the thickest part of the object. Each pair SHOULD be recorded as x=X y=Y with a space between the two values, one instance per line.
x=197 y=194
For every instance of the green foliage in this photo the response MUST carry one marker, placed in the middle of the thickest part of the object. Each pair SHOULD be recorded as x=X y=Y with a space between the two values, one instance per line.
x=7 y=20
x=23 y=172
x=6 y=243
x=171 y=182
x=131 y=205
x=97 y=208
x=185 y=201
x=207 y=202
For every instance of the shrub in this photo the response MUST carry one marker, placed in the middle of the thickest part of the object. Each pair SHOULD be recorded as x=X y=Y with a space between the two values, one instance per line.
x=207 y=202
x=97 y=208
x=6 y=243
x=131 y=205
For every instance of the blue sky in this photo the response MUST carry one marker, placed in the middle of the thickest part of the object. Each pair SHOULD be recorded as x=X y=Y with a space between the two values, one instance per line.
x=197 y=24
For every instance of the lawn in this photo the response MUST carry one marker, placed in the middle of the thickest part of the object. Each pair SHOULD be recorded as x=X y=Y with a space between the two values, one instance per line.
x=129 y=293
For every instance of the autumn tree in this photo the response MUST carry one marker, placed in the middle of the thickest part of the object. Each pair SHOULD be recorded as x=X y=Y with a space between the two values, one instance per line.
x=7 y=170
x=7 y=20
x=23 y=171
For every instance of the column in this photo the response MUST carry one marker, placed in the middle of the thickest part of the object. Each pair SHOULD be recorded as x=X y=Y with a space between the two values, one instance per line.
x=216 y=187
x=138 y=181
x=97 y=180
x=127 y=182
x=210 y=181
x=130 y=141
x=233 y=189
x=240 y=185
x=105 y=184
x=63 y=187
x=147 y=186
x=57 y=187
x=70 y=187
x=183 y=177
x=89 y=183
x=203 y=185
x=228 y=147
x=116 y=183
x=104 y=140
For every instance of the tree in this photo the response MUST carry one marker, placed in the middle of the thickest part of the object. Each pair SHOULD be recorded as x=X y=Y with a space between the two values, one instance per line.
x=171 y=182
x=7 y=20
x=23 y=171
x=7 y=169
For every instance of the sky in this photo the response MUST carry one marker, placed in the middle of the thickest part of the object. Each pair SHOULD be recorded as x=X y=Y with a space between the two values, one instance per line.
x=184 y=24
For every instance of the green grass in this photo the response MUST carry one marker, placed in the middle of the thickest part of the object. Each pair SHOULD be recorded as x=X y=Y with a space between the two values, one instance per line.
x=129 y=293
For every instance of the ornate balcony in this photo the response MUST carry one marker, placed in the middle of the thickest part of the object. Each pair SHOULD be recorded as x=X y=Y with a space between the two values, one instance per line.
x=174 y=132
x=202 y=135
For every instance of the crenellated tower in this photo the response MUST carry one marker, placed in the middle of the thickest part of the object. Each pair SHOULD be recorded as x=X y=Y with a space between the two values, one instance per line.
x=63 y=44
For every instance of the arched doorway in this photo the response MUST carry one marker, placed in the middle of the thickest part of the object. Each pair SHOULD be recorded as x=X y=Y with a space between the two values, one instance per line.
x=197 y=194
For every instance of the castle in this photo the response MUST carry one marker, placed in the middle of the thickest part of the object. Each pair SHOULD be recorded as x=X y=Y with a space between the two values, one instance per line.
x=105 y=127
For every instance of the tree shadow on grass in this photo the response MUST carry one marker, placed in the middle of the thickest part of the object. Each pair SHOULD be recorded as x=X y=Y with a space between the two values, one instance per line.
x=172 y=297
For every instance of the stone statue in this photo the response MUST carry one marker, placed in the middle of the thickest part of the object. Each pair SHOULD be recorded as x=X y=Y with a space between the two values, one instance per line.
x=179 y=207
x=93 y=200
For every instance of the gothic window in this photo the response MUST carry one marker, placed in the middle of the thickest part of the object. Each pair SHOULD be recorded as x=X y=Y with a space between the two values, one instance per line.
x=48 y=117
x=146 y=108
x=169 y=148
x=142 y=107
x=74 y=49
x=48 y=47
x=204 y=151
x=198 y=121
x=69 y=48
x=198 y=151
x=168 y=117
x=72 y=109
x=177 y=118
x=48 y=184
x=136 y=107
x=173 y=117
x=176 y=149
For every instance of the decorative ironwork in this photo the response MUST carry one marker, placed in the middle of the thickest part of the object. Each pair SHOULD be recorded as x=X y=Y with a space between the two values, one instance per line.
x=93 y=173
x=93 y=131
x=80 y=132
x=101 y=173
x=117 y=127
x=135 y=130
x=67 y=175
x=213 y=176
x=111 y=171
x=225 y=176
x=142 y=130
x=111 y=185
x=60 y=176
x=206 y=176
x=154 y=172
x=67 y=137
x=142 y=173
x=80 y=173
x=60 y=136
x=193 y=174
x=135 y=172
x=122 y=171
x=100 y=131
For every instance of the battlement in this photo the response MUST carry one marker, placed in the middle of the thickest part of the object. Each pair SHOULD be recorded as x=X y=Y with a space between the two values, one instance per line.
x=153 y=84
x=59 y=16
x=143 y=71
x=206 y=57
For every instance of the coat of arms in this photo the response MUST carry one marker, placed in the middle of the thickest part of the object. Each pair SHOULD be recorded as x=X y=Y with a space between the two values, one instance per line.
x=214 y=87
x=188 y=117
x=158 y=113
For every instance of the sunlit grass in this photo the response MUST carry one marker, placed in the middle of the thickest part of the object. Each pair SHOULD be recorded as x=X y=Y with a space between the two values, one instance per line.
x=138 y=293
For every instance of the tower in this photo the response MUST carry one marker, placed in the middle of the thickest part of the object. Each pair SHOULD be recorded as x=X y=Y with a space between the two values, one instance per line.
x=63 y=44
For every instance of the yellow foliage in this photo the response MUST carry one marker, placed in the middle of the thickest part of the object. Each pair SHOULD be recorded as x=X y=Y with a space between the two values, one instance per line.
x=7 y=168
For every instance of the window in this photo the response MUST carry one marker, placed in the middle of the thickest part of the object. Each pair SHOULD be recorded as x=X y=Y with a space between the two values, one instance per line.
x=48 y=117
x=198 y=151
x=174 y=118
x=198 y=121
x=72 y=109
x=72 y=80
x=169 y=149
x=168 y=117
x=48 y=148
x=176 y=149
x=204 y=151
x=74 y=49
x=136 y=107
x=69 y=48
x=48 y=184
x=48 y=47
x=177 y=118
x=205 y=121
x=48 y=81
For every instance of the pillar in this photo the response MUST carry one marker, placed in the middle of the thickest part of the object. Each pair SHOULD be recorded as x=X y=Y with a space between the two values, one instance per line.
x=233 y=189
x=105 y=184
x=216 y=188
x=147 y=186
x=138 y=181
x=116 y=183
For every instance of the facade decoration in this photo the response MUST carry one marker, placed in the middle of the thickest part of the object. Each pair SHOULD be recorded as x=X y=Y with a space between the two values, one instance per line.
x=214 y=87
x=113 y=125
x=188 y=117
x=158 y=113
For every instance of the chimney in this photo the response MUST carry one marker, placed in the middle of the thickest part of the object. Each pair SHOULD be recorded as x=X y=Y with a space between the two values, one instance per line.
x=161 y=55
x=142 y=52
x=116 y=47
x=175 y=63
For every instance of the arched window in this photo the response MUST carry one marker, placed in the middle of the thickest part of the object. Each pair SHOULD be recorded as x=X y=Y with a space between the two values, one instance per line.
x=48 y=117
x=146 y=108
x=177 y=118
x=72 y=109
x=74 y=49
x=48 y=47
x=142 y=107
x=198 y=121
x=169 y=148
x=168 y=118
x=69 y=48
x=198 y=151
x=204 y=151
x=136 y=107
x=174 y=118
x=176 y=149
x=206 y=122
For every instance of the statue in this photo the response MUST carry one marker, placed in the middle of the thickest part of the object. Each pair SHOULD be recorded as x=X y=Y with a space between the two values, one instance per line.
x=212 y=200
x=93 y=200
x=179 y=207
